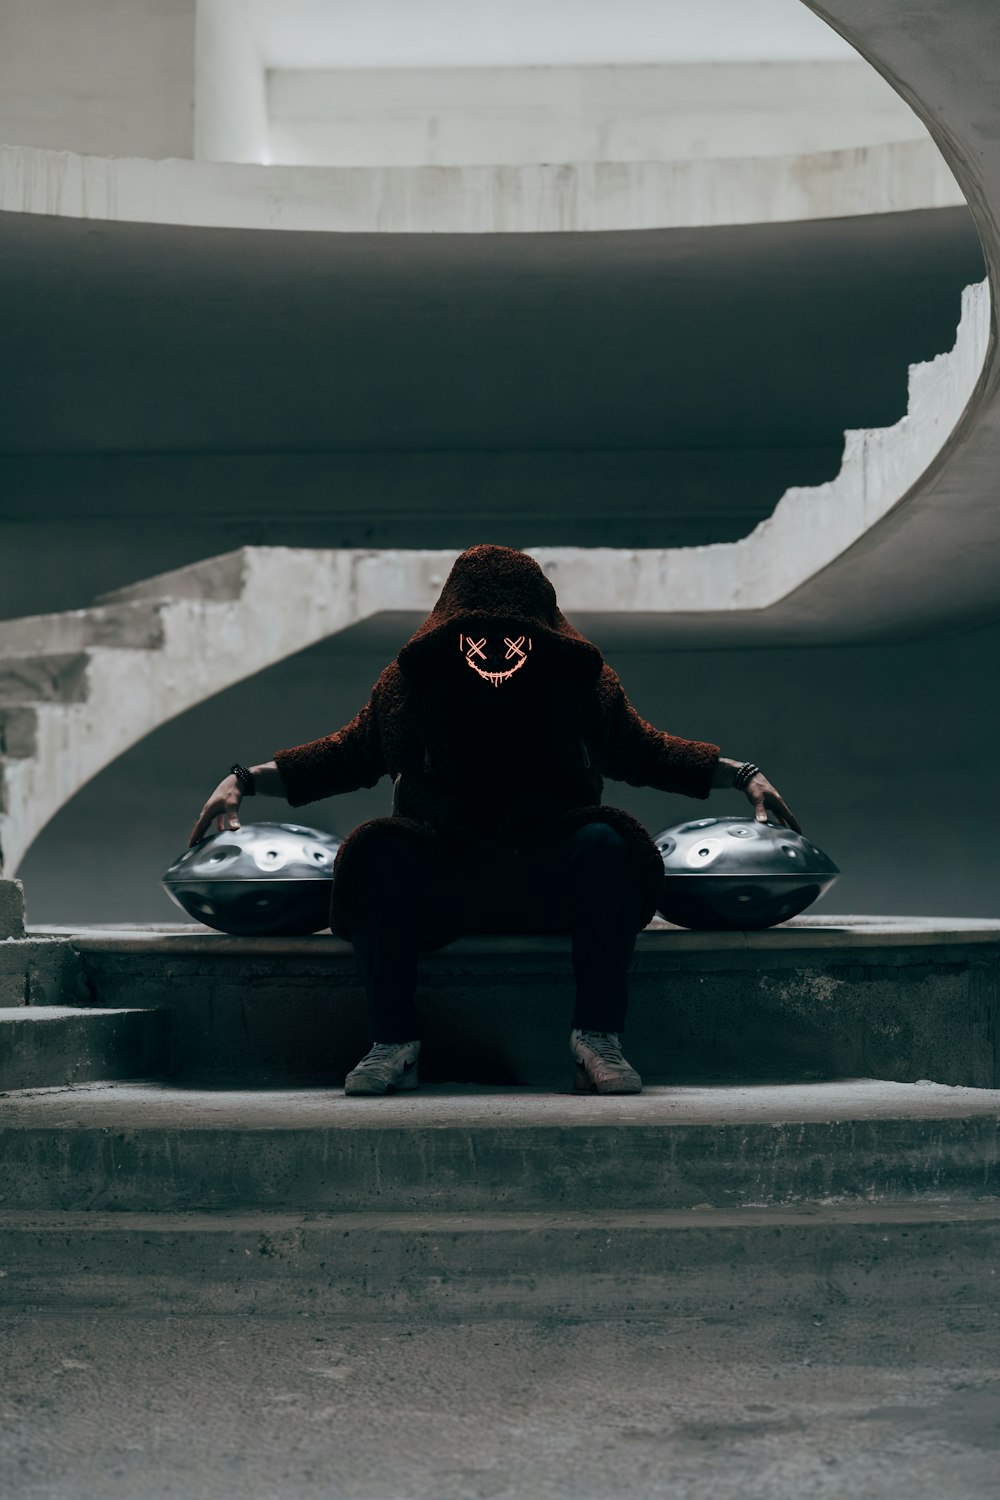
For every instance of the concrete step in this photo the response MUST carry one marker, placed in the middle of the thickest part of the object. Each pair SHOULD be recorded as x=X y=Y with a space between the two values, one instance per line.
x=215 y=578
x=151 y=1147
x=46 y=1045
x=797 y=1263
x=43 y=677
x=18 y=731
x=901 y=999
x=134 y=625
x=40 y=971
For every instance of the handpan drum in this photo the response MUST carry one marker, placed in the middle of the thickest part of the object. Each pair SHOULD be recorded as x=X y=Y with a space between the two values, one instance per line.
x=737 y=873
x=263 y=880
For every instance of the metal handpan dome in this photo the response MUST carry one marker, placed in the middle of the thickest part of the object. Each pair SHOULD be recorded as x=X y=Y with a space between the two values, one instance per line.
x=738 y=873
x=262 y=880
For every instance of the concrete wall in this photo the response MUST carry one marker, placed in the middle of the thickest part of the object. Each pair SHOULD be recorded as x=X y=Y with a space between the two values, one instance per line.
x=231 y=111
x=477 y=116
x=108 y=77
x=885 y=753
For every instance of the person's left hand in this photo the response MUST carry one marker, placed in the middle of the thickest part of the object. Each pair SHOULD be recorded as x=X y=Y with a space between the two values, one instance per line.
x=769 y=804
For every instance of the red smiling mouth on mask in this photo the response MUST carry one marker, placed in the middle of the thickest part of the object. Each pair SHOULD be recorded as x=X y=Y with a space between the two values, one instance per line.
x=496 y=659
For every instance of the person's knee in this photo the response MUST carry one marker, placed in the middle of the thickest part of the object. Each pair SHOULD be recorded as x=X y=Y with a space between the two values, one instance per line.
x=601 y=843
x=598 y=862
x=383 y=869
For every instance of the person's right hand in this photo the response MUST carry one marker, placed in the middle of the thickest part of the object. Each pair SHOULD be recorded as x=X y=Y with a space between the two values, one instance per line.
x=223 y=806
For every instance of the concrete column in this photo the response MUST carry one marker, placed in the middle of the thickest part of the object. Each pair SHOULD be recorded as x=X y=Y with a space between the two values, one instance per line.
x=11 y=909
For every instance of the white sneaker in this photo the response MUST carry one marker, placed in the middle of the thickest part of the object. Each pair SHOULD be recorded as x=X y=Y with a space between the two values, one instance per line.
x=387 y=1067
x=600 y=1066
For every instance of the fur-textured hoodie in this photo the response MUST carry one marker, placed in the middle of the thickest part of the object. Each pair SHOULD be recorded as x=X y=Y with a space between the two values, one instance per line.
x=476 y=764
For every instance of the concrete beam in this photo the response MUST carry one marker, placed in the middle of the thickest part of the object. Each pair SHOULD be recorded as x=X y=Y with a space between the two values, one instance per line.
x=594 y=196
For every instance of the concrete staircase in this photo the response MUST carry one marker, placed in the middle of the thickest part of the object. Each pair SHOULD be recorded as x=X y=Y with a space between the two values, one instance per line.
x=477 y=1204
x=814 y=999
x=78 y=688
x=52 y=1034
x=789 y=1152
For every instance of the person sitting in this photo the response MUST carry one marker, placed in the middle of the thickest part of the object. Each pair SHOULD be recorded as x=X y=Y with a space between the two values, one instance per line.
x=497 y=721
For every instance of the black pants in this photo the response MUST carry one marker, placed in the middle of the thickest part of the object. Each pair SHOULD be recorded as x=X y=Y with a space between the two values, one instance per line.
x=584 y=885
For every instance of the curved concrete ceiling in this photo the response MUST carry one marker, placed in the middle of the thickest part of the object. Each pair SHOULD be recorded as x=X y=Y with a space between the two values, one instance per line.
x=928 y=551
x=147 y=339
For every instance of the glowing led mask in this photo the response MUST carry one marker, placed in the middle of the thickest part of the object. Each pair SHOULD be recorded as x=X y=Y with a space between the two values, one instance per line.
x=495 y=663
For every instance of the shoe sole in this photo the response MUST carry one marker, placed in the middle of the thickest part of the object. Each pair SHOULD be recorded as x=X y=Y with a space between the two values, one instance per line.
x=583 y=1085
x=370 y=1086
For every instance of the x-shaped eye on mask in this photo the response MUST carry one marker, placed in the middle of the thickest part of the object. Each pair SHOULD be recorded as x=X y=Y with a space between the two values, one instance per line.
x=516 y=652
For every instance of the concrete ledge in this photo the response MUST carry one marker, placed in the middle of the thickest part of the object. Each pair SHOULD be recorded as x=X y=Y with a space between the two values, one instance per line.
x=593 y=1265
x=43 y=1045
x=546 y=198
x=135 y=626
x=899 y=999
x=40 y=971
x=799 y=932
x=138 y=1147
x=43 y=677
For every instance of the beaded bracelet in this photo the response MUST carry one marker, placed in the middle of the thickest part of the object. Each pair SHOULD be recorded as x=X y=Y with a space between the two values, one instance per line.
x=745 y=774
x=244 y=779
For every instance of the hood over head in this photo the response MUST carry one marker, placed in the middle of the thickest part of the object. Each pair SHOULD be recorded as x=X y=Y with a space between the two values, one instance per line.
x=493 y=588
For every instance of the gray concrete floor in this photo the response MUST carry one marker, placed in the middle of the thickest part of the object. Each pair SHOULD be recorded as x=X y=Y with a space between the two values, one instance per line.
x=105 y=1407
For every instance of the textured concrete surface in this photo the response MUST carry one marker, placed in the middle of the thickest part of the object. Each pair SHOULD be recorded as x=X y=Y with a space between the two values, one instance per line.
x=11 y=909
x=839 y=998
x=818 y=1406
x=136 y=625
x=443 y=1266
x=500 y=199
x=17 y=729
x=46 y=1045
x=126 y=1147
x=40 y=971
x=817 y=998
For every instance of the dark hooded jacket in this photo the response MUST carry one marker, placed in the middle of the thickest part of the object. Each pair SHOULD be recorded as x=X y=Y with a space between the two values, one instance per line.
x=475 y=769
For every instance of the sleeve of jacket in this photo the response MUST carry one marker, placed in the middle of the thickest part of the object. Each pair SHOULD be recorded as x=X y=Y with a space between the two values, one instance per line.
x=340 y=762
x=632 y=750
